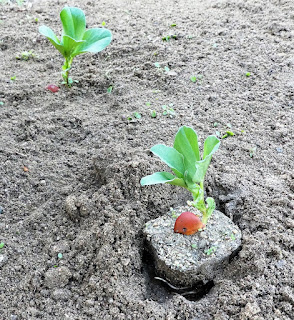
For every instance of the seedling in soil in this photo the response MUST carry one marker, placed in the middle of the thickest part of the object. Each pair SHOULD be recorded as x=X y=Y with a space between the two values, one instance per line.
x=1 y=103
x=173 y=25
x=189 y=167
x=103 y=23
x=26 y=55
x=195 y=78
x=167 y=38
x=228 y=134
x=252 y=152
x=168 y=110
x=247 y=74
x=153 y=114
x=135 y=115
x=109 y=89
x=210 y=251
x=13 y=78
x=2 y=244
x=75 y=39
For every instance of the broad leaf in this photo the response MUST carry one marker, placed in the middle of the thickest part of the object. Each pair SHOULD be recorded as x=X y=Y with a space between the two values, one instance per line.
x=162 y=177
x=171 y=157
x=70 y=45
x=186 y=143
x=73 y=22
x=211 y=144
x=47 y=32
x=95 y=40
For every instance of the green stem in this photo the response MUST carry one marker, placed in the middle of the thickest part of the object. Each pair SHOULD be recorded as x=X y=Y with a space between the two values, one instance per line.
x=199 y=203
x=66 y=67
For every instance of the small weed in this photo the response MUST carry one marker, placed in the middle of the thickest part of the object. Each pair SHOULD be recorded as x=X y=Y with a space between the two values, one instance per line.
x=36 y=20
x=173 y=25
x=247 y=74
x=13 y=78
x=210 y=251
x=166 y=69
x=26 y=55
x=252 y=152
x=196 y=78
x=153 y=114
x=157 y=64
x=2 y=244
x=167 y=38
x=135 y=115
x=148 y=104
x=109 y=89
x=194 y=246
x=103 y=23
x=227 y=134
x=168 y=110
x=233 y=237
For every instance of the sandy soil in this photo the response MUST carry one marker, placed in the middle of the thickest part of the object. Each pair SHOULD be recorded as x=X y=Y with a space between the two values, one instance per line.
x=81 y=195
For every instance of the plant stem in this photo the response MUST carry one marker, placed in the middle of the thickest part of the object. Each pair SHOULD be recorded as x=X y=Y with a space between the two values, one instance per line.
x=66 y=67
x=199 y=202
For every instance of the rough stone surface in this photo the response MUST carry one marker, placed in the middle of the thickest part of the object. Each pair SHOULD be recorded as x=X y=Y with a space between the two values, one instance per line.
x=57 y=277
x=186 y=260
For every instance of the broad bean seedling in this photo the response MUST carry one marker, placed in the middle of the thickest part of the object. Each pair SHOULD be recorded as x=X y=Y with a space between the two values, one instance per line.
x=75 y=39
x=189 y=167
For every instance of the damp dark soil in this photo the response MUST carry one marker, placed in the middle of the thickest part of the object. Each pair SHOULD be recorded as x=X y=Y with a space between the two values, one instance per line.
x=72 y=210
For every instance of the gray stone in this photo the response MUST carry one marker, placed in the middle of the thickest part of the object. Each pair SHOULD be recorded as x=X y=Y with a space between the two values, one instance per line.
x=61 y=294
x=57 y=277
x=188 y=259
x=3 y=259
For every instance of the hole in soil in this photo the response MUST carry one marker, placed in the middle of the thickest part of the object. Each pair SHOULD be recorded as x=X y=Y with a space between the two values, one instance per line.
x=160 y=290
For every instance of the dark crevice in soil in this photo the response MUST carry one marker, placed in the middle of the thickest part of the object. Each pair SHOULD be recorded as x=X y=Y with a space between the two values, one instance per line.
x=159 y=289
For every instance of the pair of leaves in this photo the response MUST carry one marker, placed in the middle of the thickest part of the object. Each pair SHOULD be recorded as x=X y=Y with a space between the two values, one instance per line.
x=75 y=38
x=184 y=160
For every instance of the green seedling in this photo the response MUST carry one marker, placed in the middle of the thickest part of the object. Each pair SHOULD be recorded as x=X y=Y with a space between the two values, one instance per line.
x=135 y=115
x=60 y=255
x=173 y=25
x=2 y=244
x=153 y=114
x=13 y=78
x=109 y=89
x=26 y=55
x=168 y=110
x=195 y=78
x=228 y=134
x=247 y=74
x=252 y=151
x=188 y=165
x=75 y=39
x=103 y=23
x=1 y=103
x=157 y=64
x=210 y=251
x=194 y=246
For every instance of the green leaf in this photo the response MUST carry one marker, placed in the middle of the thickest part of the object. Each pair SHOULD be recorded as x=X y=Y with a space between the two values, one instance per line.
x=95 y=40
x=162 y=177
x=73 y=22
x=70 y=45
x=211 y=145
x=48 y=33
x=171 y=157
x=186 y=143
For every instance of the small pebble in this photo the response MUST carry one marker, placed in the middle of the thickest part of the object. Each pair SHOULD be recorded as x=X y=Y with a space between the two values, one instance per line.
x=280 y=150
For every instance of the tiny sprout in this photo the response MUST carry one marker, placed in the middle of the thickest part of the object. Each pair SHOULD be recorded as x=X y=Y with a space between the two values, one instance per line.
x=194 y=245
x=1 y=103
x=193 y=79
x=210 y=250
x=252 y=152
x=247 y=74
x=157 y=64
x=2 y=244
x=168 y=111
x=228 y=133
x=36 y=20
x=26 y=55
x=13 y=78
x=103 y=23
x=148 y=104
x=233 y=237
x=60 y=255
x=166 y=69
x=137 y=115
x=173 y=25
x=153 y=114
x=109 y=89
x=166 y=38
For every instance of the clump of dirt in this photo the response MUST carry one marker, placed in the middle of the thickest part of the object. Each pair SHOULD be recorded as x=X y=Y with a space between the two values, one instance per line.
x=71 y=206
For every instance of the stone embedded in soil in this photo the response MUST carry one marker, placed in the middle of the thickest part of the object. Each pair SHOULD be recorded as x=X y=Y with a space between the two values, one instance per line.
x=57 y=277
x=186 y=260
x=3 y=260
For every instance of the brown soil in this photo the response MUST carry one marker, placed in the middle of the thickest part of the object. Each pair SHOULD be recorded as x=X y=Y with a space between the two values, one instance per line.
x=81 y=195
